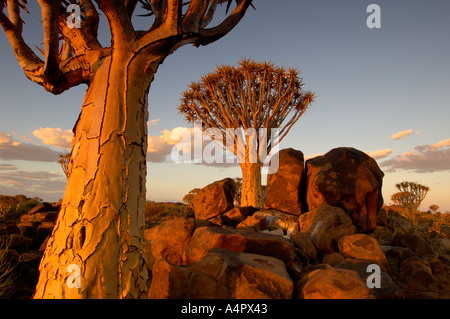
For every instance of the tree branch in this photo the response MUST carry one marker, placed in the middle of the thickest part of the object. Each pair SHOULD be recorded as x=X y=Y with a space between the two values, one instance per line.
x=207 y=36
x=122 y=30
x=30 y=63
x=50 y=14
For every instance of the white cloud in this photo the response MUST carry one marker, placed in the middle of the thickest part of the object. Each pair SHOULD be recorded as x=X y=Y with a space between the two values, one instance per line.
x=54 y=137
x=152 y=122
x=378 y=154
x=402 y=134
x=37 y=183
x=7 y=167
x=182 y=141
x=423 y=159
x=11 y=149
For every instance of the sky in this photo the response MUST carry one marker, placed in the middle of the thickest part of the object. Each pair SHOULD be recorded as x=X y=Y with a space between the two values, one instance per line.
x=384 y=91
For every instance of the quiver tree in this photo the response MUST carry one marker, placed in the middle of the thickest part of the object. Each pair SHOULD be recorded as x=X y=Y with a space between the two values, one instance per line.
x=247 y=110
x=100 y=225
x=410 y=196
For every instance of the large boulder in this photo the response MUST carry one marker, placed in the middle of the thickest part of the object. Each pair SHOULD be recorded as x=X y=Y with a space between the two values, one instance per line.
x=332 y=283
x=283 y=187
x=361 y=246
x=416 y=244
x=325 y=225
x=214 y=199
x=387 y=289
x=222 y=274
x=168 y=240
x=303 y=243
x=346 y=178
x=205 y=239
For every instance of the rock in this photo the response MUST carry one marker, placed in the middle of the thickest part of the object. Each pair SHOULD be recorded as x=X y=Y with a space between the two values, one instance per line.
x=42 y=232
x=168 y=240
x=333 y=259
x=253 y=223
x=325 y=225
x=382 y=217
x=396 y=220
x=28 y=231
x=239 y=214
x=395 y=256
x=346 y=178
x=221 y=221
x=388 y=289
x=278 y=220
x=416 y=244
x=222 y=274
x=43 y=208
x=38 y=217
x=382 y=234
x=332 y=283
x=418 y=275
x=206 y=238
x=277 y=232
x=283 y=187
x=361 y=246
x=303 y=242
x=214 y=199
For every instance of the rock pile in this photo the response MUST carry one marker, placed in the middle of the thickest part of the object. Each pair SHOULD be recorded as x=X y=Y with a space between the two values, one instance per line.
x=325 y=237
x=26 y=241
x=318 y=236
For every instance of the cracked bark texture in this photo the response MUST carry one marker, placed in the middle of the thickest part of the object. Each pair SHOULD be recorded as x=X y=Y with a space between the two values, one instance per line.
x=101 y=222
x=100 y=227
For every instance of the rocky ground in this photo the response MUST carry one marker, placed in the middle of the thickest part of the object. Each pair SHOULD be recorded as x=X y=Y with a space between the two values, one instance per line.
x=322 y=229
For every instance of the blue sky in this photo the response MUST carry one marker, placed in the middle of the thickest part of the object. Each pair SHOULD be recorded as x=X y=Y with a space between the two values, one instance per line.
x=370 y=85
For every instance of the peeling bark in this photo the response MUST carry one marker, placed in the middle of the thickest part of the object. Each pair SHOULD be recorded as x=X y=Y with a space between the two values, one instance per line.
x=100 y=226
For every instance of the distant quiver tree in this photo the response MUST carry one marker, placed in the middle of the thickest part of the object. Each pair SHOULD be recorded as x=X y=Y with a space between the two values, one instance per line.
x=247 y=110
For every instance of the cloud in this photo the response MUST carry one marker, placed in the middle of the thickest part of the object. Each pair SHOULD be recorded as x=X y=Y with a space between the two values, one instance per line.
x=54 y=137
x=402 y=134
x=7 y=167
x=36 y=183
x=378 y=154
x=152 y=122
x=423 y=159
x=184 y=145
x=11 y=149
x=5 y=138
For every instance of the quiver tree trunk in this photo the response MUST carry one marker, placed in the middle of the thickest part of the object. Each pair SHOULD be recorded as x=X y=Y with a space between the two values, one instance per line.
x=101 y=222
x=251 y=184
x=99 y=229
